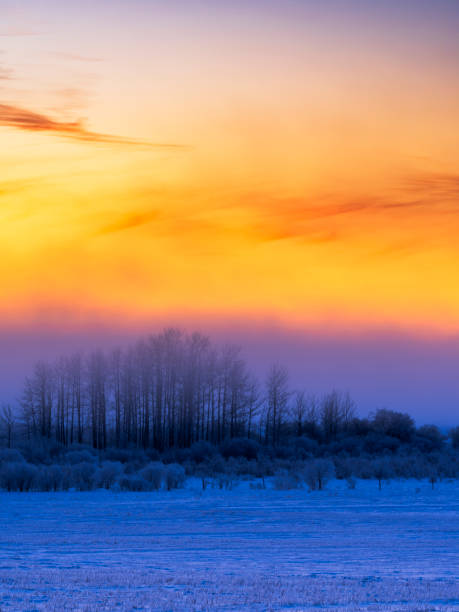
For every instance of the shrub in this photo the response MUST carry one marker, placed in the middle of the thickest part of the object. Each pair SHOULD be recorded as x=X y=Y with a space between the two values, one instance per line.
x=240 y=447
x=376 y=443
x=347 y=445
x=176 y=455
x=448 y=465
x=175 y=476
x=264 y=467
x=78 y=456
x=343 y=468
x=432 y=475
x=132 y=467
x=238 y=466
x=317 y=473
x=152 y=454
x=108 y=473
x=216 y=465
x=454 y=436
x=351 y=483
x=19 y=476
x=123 y=455
x=284 y=481
x=304 y=447
x=189 y=467
x=382 y=470
x=394 y=424
x=82 y=476
x=134 y=483
x=202 y=451
x=203 y=475
x=429 y=438
x=361 y=468
x=284 y=452
x=154 y=474
x=36 y=452
x=10 y=455
x=50 y=478
x=225 y=481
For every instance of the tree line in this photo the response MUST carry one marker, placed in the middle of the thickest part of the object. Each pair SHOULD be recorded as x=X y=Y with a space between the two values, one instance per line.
x=172 y=390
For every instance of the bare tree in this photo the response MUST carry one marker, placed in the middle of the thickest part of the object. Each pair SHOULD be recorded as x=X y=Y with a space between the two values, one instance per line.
x=97 y=386
x=254 y=403
x=336 y=413
x=299 y=412
x=277 y=396
x=8 y=420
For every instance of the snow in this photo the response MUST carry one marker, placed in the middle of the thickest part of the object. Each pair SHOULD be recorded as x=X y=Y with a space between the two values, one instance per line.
x=244 y=549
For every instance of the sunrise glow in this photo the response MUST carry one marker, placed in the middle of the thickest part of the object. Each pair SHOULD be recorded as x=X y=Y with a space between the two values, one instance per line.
x=286 y=161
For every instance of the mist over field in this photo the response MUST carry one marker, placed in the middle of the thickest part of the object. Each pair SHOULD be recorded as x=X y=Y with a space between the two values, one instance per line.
x=387 y=369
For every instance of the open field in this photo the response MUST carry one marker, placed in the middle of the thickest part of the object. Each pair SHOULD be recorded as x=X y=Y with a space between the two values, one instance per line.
x=245 y=549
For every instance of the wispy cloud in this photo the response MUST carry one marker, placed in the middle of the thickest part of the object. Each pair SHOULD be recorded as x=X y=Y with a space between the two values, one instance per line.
x=75 y=57
x=129 y=221
x=332 y=217
x=438 y=184
x=11 y=187
x=70 y=99
x=14 y=31
x=31 y=121
x=6 y=74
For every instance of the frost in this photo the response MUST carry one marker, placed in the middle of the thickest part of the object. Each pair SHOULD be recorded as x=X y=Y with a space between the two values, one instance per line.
x=245 y=548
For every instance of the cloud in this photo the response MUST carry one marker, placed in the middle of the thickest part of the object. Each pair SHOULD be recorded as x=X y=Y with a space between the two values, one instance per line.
x=70 y=99
x=320 y=218
x=434 y=184
x=5 y=74
x=316 y=221
x=12 y=31
x=76 y=57
x=31 y=121
x=129 y=221
x=333 y=217
x=10 y=187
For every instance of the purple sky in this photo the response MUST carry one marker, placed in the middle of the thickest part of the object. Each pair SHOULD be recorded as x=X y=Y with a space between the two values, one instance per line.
x=390 y=370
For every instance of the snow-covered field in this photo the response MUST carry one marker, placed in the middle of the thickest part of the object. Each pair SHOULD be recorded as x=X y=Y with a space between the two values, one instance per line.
x=244 y=549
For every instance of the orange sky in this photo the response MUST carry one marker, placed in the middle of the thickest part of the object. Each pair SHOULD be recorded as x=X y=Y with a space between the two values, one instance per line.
x=264 y=160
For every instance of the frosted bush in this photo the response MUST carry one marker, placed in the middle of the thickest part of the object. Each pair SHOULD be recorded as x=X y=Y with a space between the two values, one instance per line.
x=240 y=447
x=18 y=476
x=454 y=436
x=133 y=483
x=82 y=476
x=78 y=456
x=202 y=451
x=154 y=474
x=108 y=473
x=284 y=481
x=351 y=483
x=343 y=469
x=10 y=455
x=382 y=470
x=317 y=473
x=50 y=478
x=175 y=476
x=225 y=481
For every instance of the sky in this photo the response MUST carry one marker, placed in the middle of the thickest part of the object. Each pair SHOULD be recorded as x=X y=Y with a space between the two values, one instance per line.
x=280 y=174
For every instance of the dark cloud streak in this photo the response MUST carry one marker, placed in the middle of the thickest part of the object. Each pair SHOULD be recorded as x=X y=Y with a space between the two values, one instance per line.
x=23 y=119
x=438 y=184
